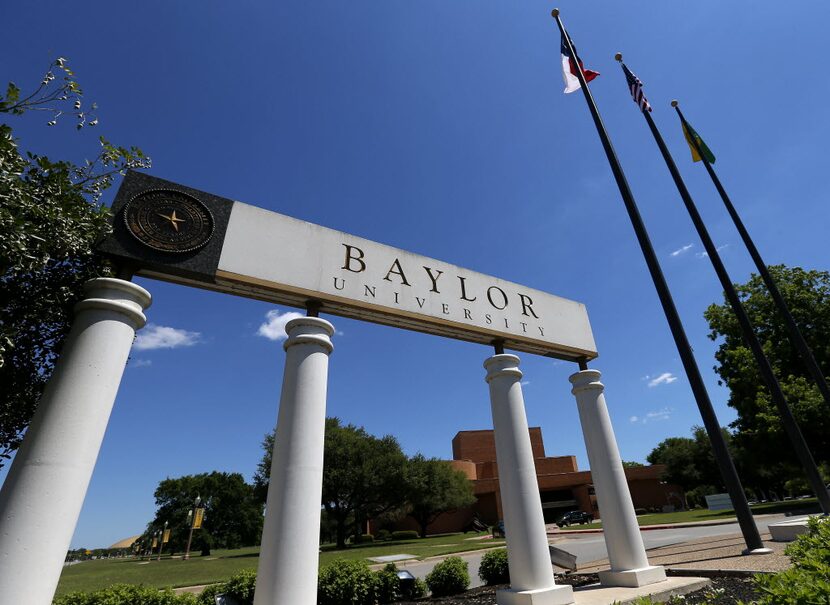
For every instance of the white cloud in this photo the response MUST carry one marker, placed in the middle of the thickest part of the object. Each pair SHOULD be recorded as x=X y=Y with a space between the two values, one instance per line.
x=525 y=383
x=163 y=337
x=683 y=250
x=664 y=378
x=274 y=326
x=140 y=363
x=706 y=254
x=663 y=414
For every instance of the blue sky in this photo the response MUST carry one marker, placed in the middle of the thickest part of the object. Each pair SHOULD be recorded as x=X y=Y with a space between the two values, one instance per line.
x=438 y=127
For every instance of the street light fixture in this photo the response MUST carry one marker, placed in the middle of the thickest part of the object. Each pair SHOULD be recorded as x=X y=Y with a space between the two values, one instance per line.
x=191 y=520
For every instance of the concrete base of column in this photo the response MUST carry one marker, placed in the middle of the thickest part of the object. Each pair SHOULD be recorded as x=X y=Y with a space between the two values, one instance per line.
x=560 y=594
x=757 y=551
x=632 y=578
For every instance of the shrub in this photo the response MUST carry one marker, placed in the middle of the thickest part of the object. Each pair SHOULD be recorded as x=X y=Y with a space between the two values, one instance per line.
x=241 y=586
x=418 y=590
x=808 y=580
x=382 y=534
x=449 y=577
x=405 y=591
x=208 y=595
x=387 y=584
x=493 y=568
x=409 y=534
x=344 y=582
x=363 y=539
x=127 y=594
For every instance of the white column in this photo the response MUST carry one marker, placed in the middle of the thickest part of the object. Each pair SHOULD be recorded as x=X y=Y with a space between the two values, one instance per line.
x=626 y=553
x=289 y=557
x=531 y=572
x=42 y=496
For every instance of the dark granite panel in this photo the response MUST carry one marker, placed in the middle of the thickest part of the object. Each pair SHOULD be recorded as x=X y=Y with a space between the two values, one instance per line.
x=127 y=251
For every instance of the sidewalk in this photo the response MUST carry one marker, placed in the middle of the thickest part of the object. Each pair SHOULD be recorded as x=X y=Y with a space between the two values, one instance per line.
x=554 y=530
x=711 y=557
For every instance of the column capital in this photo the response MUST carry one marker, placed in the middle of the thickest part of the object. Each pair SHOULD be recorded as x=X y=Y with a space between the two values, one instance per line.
x=503 y=364
x=309 y=330
x=586 y=380
x=118 y=295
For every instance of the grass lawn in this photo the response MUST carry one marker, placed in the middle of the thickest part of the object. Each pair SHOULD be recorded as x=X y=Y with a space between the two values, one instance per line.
x=92 y=575
x=682 y=516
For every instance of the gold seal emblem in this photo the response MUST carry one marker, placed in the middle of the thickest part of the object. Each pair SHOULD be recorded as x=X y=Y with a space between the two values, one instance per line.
x=168 y=220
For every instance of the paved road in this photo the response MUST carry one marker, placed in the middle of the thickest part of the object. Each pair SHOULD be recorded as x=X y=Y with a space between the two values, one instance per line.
x=591 y=547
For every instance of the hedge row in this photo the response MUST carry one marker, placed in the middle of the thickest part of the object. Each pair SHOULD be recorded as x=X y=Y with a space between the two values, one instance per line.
x=340 y=583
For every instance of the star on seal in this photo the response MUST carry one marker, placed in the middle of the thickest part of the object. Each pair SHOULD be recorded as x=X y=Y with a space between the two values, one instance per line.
x=168 y=220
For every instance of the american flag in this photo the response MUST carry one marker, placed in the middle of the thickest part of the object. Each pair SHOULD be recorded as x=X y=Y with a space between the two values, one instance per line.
x=636 y=88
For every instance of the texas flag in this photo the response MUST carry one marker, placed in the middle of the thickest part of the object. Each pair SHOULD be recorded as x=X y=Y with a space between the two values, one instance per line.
x=569 y=68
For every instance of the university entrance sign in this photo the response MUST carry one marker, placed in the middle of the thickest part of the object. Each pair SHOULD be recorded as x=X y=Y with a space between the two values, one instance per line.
x=241 y=249
x=172 y=232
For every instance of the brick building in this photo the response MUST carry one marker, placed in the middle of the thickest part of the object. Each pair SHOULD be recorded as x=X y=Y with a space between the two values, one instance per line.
x=562 y=486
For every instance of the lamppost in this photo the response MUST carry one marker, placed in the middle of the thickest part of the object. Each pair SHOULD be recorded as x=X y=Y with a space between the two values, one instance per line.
x=161 y=540
x=191 y=520
x=155 y=539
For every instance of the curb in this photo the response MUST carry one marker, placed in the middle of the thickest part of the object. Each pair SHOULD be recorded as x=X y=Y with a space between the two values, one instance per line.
x=599 y=530
x=713 y=573
x=461 y=553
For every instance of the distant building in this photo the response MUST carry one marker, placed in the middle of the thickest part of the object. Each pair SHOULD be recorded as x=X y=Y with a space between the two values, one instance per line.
x=125 y=543
x=562 y=486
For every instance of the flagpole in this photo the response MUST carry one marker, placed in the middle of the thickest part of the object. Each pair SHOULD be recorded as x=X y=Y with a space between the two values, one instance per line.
x=795 y=333
x=750 y=338
x=707 y=412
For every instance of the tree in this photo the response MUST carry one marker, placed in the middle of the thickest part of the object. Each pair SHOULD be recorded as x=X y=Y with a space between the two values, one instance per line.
x=433 y=487
x=632 y=464
x=50 y=219
x=262 y=476
x=689 y=462
x=363 y=476
x=678 y=455
x=233 y=518
x=758 y=426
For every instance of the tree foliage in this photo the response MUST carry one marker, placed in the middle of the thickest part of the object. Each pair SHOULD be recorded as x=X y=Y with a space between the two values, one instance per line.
x=632 y=464
x=367 y=477
x=763 y=454
x=689 y=461
x=50 y=220
x=262 y=475
x=758 y=427
x=433 y=487
x=233 y=518
x=363 y=476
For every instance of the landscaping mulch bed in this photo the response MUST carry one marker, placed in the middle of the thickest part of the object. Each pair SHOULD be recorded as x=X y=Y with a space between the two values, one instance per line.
x=728 y=590
x=734 y=589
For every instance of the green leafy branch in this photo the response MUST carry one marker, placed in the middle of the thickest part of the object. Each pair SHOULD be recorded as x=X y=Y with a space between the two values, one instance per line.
x=61 y=94
x=51 y=96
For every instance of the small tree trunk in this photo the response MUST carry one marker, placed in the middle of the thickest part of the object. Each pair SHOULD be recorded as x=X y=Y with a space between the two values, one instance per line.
x=341 y=532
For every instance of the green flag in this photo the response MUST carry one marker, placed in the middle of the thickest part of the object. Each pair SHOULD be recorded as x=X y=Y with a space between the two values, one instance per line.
x=689 y=132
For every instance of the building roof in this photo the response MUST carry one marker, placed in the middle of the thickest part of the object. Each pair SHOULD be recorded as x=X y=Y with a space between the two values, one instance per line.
x=125 y=543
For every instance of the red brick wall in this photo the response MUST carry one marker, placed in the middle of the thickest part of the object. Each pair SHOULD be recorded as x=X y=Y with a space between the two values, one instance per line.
x=466 y=467
x=480 y=446
x=559 y=464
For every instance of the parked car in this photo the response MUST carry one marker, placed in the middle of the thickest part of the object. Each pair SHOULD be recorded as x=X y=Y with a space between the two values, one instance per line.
x=574 y=517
